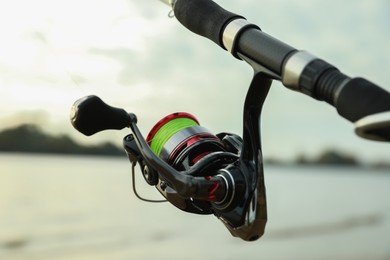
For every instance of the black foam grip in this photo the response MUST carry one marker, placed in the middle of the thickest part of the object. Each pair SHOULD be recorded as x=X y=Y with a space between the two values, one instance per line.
x=204 y=17
x=91 y=115
x=360 y=98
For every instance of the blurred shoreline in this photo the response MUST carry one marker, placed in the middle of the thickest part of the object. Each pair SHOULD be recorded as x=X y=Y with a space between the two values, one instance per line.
x=29 y=138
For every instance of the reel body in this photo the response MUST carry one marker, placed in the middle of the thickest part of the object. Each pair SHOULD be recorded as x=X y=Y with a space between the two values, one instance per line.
x=181 y=142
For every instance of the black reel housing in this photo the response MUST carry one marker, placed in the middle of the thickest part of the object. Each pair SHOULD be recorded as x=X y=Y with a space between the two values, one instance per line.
x=196 y=171
x=197 y=152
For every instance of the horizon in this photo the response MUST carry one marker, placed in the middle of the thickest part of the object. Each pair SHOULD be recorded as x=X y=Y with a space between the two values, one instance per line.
x=49 y=144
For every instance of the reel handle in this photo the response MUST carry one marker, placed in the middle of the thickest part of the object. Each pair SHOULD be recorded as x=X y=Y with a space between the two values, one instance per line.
x=90 y=115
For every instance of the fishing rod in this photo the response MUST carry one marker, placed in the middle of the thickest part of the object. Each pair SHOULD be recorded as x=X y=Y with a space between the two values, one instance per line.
x=222 y=174
x=356 y=99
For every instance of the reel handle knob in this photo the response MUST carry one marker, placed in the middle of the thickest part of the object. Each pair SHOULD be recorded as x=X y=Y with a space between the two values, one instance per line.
x=90 y=115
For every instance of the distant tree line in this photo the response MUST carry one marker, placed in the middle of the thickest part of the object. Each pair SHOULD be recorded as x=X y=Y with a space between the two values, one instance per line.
x=31 y=139
x=329 y=157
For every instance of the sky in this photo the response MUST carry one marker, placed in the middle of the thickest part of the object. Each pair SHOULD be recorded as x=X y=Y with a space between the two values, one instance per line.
x=133 y=56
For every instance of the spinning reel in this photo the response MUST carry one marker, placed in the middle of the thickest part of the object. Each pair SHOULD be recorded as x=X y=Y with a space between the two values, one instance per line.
x=181 y=142
x=195 y=170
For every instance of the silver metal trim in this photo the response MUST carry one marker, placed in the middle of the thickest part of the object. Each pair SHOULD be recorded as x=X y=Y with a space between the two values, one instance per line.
x=231 y=31
x=179 y=137
x=364 y=127
x=294 y=67
x=227 y=188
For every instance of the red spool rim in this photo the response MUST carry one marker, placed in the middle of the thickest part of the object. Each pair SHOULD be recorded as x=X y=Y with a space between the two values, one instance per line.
x=165 y=120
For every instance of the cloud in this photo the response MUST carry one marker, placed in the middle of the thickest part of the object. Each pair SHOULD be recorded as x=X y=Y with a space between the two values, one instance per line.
x=38 y=117
x=134 y=56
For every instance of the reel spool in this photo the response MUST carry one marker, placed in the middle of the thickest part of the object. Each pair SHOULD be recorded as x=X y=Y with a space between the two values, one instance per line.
x=179 y=140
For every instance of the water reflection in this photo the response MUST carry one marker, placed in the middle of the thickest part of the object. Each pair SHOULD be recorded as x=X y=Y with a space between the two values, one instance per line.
x=83 y=208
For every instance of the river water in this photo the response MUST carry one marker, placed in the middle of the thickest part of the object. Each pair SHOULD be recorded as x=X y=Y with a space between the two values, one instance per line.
x=68 y=207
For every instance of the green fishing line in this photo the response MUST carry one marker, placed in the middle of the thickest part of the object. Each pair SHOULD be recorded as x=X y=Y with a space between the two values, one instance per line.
x=167 y=131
